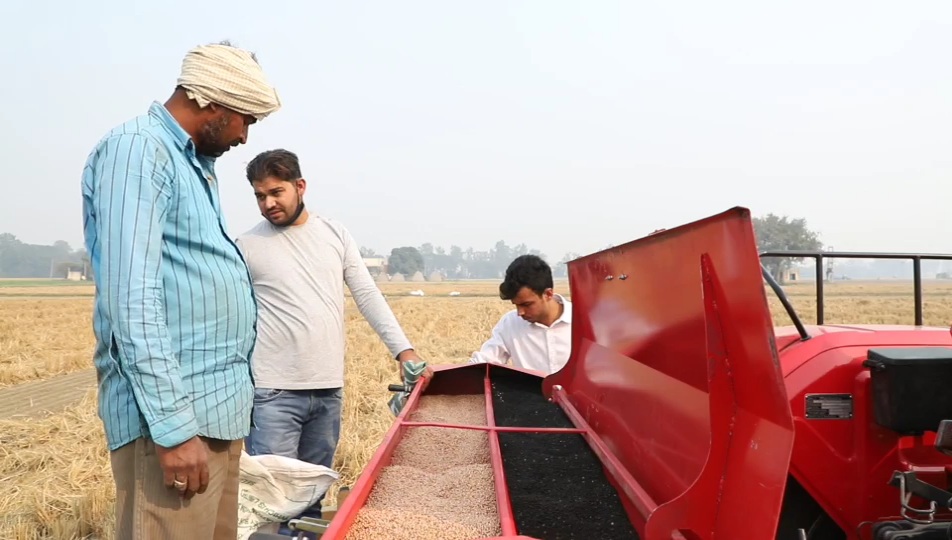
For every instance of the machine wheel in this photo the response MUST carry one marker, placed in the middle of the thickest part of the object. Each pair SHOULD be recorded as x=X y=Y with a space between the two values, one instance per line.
x=800 y=511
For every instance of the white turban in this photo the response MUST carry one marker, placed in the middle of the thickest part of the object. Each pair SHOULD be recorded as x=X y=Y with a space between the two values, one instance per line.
x=230 y=77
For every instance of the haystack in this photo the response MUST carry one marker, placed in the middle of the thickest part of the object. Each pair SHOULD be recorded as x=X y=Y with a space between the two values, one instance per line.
x=435 y=276
x=382 y=276
x=417 y=276
x=397 y=277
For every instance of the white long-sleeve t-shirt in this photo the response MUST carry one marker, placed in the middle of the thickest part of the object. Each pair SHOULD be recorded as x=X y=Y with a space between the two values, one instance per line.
x=537 y=347
x=298 y=274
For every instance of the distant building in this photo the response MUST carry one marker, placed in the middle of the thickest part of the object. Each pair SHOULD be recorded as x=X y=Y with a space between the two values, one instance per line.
x=73 y=271
x=376 y=265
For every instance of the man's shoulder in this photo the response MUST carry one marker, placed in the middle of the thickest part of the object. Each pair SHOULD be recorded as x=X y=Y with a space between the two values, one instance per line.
x=262 y=229
x=330 y=229
x=141 y=131
x=329 y=223
x=143 y=125
x=511 y=319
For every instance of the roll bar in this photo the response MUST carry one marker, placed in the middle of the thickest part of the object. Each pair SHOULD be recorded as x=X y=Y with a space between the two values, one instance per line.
x=818 y=258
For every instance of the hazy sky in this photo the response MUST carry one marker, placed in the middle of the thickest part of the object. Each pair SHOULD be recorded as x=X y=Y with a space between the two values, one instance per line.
x=564 y=125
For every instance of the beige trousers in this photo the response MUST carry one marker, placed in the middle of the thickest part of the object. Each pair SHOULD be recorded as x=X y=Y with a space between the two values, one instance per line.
x=146 y=509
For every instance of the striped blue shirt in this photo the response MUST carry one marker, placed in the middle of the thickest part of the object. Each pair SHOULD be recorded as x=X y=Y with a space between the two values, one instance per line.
x=175 y=315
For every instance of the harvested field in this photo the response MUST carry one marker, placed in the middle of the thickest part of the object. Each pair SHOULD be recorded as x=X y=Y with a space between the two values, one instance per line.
x=56 y=476
x=43 y=338
x=56 y=471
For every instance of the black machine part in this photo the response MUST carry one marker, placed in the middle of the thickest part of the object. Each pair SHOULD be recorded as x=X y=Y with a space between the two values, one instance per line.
x=919 y=523
x=943 y=439
x=902 y=530
x=908 y=484
x=909 y=387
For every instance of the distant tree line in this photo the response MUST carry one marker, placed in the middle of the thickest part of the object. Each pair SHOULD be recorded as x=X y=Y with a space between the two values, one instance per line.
x=21 y=260
x=782 y=233
x=459 y=263
x=773 y=233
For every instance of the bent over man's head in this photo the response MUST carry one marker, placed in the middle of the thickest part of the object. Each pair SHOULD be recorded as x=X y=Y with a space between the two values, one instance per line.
x=529 y=286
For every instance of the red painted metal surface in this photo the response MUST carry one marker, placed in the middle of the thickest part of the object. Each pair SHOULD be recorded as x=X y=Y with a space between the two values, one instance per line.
x=674 y=372
x=834 y=460
x=672 y=381
x=676 y=383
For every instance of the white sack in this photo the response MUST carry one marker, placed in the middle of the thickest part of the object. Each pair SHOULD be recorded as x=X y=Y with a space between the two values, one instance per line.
x=273 y=489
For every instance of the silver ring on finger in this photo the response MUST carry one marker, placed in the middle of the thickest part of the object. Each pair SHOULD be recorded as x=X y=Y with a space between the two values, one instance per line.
x=180 y=485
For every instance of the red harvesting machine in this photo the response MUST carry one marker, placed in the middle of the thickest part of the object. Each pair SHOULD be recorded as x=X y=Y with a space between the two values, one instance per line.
x=684 y=413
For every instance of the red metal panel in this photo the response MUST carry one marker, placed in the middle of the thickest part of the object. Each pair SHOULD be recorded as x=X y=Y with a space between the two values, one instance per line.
x=828 y=451
x=673 y=382
x=673 y=367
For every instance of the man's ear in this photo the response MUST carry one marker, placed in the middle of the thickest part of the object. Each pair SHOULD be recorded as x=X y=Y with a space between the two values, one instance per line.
x=301 y=184
x=548 y=294
x=214 y=111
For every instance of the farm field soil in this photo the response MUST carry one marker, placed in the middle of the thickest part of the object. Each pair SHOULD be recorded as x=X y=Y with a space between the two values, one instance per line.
x=57 y=482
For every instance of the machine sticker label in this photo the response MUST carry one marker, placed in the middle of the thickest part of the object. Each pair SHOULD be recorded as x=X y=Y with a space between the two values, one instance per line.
x=829 y=406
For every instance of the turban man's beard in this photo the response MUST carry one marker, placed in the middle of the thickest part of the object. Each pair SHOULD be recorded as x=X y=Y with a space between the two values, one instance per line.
x=211 y=141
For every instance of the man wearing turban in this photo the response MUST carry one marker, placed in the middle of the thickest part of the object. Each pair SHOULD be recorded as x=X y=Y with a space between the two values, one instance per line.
x=174 y=315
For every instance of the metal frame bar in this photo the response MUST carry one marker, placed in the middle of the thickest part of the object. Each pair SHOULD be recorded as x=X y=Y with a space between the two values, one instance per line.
x=778 y=290
x=818 y=258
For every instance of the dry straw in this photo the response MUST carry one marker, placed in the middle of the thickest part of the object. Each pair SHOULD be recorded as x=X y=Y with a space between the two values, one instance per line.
x=55 y=476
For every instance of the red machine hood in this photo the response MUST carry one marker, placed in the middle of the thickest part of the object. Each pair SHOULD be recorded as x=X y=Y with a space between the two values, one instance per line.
x=674 y=368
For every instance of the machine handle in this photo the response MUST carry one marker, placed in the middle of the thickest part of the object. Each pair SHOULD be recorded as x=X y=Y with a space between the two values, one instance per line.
x=398 y=388
x=943 y=437
x=874 y=365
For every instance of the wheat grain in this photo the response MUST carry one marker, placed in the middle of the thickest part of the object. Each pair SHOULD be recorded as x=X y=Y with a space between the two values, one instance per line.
x=466 y=410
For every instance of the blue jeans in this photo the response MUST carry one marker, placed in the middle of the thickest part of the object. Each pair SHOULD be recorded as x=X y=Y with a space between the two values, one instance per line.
x=300 y=424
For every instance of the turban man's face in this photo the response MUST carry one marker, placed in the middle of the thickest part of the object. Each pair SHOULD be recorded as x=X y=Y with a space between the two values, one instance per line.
x=222 y=130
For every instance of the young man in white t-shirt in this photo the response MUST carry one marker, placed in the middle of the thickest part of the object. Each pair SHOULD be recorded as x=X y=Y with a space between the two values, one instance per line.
x=299 y=264
x=537 y=335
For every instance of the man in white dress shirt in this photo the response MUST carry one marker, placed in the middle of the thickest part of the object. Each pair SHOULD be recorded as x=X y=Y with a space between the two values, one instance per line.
x=537 y=335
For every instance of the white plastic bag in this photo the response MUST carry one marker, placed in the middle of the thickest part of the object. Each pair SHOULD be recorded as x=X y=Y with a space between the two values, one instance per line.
x=273 y=489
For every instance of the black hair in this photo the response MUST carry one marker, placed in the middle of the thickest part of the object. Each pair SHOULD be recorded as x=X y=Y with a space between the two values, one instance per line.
x=526 y=271
x=281 y=164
